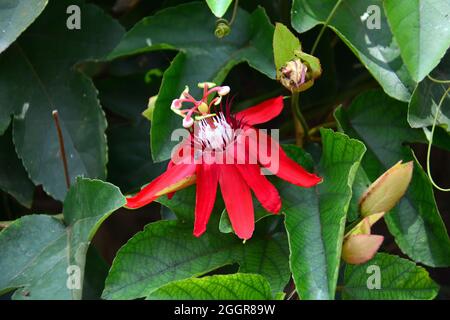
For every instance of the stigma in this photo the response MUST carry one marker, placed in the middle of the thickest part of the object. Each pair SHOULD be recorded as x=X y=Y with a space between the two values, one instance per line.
x=199 y=110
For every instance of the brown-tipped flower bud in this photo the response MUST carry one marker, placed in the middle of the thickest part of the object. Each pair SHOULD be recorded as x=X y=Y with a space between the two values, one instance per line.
x=298 y=74
x=294 y=76
x=387 y=190
x=359 y=244
x=361 y=248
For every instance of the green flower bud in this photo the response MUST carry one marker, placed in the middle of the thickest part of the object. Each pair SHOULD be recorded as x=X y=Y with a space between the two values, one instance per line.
x=222 y=28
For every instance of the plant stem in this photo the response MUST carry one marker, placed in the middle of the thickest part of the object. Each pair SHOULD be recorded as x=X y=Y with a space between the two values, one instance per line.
x=61 y=147
x=325 y=25
x=331 y=124
x=233 y=16
x=437 y=80
x=430 y=142
x=301 y=126
x=5 y=224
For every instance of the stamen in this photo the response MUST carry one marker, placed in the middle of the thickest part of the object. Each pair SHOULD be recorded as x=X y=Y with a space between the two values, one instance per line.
x=215 y=133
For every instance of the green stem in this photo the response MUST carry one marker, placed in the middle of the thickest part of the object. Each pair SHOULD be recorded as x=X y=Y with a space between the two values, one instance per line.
x=301 y=126
x=233 y=16
x=331 y=124
x=437 y=80
x=430 y=142
x=325 y=25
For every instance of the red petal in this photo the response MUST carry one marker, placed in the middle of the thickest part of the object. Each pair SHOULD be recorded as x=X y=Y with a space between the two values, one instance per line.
x=175 y=178
x=263 y=112
x=170 y=165
x=265 y=191
x=238 y=201
x=287 y=169
x=180 y=157
x=207 y=178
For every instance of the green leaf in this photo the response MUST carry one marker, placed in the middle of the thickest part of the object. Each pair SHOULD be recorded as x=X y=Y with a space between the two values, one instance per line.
x=416 y=25
x=376 y=48
x=182 y=203
x=225 y=223
x=285 y=43
x=38 y=249
x=166 y=251
x=360 y=185
x=13 y=177
x=42 y=61
x=239 y=286
x=202 y=57
x=426 y=97
x=315 y=217
x=400 y=279
x=219 y=7
x=415 y=222
x=15 y=17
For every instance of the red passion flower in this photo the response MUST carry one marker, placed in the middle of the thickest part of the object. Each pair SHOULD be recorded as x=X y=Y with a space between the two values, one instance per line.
x=225 y=149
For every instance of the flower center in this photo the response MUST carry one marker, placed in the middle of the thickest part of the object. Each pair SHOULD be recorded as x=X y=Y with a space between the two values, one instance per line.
x=215 y=133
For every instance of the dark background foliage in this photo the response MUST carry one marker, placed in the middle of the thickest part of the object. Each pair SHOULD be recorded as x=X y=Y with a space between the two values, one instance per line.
x=126 y=84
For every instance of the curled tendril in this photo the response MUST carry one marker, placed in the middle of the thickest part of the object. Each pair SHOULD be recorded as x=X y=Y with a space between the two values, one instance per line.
x=222 y=28
x=430 y=141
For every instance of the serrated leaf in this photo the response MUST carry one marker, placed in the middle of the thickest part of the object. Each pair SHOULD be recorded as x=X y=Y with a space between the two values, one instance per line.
x=376 y=48
x=315 y=217
x=38 y=249
x=415 y=25
x=415 y=222
x=239 y=286
x=202 y=56
x=360 y=185
x=13 y=177
x=42 y=62
x=15 y=17
x=400 y=279
x=167 y=251
x=219 y=7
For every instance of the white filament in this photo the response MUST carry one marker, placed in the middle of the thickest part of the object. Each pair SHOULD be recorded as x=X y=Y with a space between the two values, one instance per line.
x=216 y=135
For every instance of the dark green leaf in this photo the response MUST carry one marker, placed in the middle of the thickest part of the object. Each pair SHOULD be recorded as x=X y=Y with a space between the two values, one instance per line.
x=315 y=217
x=42 y=61
x=239 y=286
x=38 y=249
x=415 y=25
x=400 y=279
x=13 y=177
x=167 y=251
x=15 y=17
x=415 y=222
x=376 y=48
x=202 y=57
